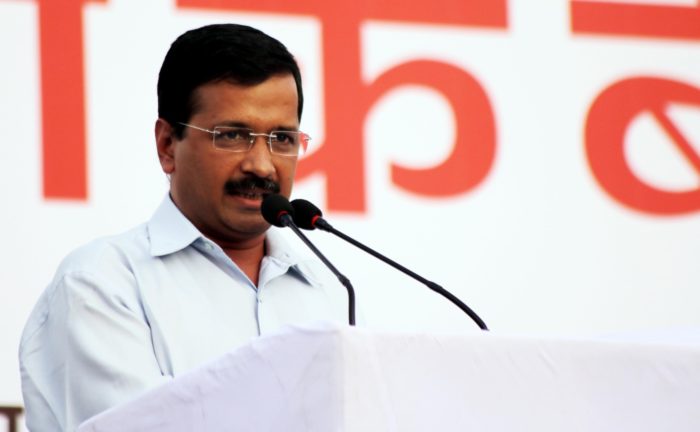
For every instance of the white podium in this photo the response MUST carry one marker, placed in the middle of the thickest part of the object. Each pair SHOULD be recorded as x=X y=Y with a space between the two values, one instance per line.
x=329 y=378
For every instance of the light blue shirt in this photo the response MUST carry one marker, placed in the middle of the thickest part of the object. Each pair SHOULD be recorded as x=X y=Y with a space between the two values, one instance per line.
x=126 y=313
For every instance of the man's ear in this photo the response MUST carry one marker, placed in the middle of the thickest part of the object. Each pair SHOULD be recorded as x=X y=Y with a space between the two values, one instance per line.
x=165 y=145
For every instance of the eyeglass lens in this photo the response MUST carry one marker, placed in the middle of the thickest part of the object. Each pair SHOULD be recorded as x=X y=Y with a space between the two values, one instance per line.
x=288 y=143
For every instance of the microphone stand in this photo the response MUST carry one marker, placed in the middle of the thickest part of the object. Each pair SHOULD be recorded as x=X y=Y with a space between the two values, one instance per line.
x=286 y=219
x=324 y=225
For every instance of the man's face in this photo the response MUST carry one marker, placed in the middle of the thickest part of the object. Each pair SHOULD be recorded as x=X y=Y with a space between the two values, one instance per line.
x=204 y=181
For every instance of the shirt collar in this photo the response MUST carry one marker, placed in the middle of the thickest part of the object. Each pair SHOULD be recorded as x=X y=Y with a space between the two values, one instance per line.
x=278 y=250
x=169 y=230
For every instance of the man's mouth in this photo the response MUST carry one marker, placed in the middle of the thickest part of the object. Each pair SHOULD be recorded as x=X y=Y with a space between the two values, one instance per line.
x=249 y=195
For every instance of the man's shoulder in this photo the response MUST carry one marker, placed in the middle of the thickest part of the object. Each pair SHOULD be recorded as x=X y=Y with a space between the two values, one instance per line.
x=107 y=250
x=99 y=268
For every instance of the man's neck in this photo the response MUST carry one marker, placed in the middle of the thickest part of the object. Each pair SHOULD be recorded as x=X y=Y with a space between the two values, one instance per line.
x=248 y=257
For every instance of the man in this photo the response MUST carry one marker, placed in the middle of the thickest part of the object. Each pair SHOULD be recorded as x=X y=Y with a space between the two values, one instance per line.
x=204 y=275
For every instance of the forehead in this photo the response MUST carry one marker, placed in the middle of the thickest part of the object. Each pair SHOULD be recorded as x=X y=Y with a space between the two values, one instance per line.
x=273 y=100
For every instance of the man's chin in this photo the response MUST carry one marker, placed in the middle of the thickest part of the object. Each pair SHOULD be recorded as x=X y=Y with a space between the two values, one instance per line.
x=248 y=225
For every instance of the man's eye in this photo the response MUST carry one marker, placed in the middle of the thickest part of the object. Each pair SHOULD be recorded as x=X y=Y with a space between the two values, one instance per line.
x=233 y=135
x=284 y=137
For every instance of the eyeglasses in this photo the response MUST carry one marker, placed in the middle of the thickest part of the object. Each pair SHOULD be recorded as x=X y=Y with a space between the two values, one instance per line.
x=240 y=139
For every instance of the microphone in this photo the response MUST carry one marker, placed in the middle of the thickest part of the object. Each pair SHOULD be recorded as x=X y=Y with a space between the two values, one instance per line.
x=306 y=215
x=277 y=211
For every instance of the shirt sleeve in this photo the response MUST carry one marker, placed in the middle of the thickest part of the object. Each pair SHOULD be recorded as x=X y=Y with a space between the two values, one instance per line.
x=90 y=350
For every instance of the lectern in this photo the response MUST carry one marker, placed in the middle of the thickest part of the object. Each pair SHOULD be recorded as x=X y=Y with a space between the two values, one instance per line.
x=330 y=378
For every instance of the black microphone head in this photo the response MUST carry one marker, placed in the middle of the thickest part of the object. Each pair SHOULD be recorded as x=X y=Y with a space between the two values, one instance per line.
x=273 y=207
x=305 y=214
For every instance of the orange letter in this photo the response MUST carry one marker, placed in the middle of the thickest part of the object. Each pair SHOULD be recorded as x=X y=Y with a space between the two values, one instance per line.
x=63 y=98
x=678 y=22
x=607 y=122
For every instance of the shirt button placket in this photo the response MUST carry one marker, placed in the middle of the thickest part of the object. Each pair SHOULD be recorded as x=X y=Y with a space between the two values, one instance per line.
x=259 y=314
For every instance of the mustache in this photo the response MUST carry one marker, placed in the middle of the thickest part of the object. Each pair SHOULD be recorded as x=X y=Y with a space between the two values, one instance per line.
x=251 y=183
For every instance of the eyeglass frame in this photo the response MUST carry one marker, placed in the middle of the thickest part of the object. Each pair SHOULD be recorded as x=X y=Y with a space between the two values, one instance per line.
x=253 y=136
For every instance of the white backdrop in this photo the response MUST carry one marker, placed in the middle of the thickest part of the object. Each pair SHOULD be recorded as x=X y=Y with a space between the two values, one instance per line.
x=538 y=245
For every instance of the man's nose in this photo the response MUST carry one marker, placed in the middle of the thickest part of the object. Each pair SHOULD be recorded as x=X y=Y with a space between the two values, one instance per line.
x=258 y=160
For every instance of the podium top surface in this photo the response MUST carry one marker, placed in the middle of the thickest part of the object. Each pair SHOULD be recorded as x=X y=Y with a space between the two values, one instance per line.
x=326 y=377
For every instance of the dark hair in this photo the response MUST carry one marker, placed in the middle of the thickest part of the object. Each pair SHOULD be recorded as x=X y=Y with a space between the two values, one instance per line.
x=220 y=52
